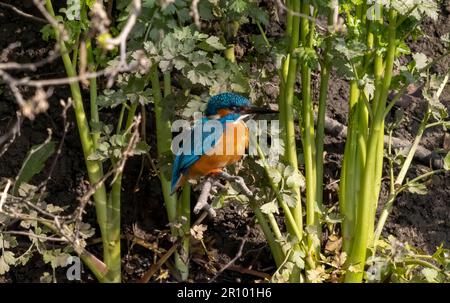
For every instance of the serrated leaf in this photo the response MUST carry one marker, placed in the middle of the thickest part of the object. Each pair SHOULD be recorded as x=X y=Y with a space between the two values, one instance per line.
x=418 y=188
x=289 y=200
x=34 y=163
x=430 y=274
x=298 y=258
x=214 y=42
x=447 y=161
x=296 y=180
x=420 y=59
x=274 y=174
x=269 y=208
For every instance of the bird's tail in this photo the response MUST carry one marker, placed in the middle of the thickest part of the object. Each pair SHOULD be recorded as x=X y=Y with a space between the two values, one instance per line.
x=179 y=183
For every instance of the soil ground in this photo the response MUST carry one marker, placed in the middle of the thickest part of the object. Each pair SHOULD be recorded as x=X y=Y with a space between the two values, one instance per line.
x=421 y=220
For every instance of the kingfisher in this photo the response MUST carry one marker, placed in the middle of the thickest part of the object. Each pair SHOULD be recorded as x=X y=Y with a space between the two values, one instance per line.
x=217 y=140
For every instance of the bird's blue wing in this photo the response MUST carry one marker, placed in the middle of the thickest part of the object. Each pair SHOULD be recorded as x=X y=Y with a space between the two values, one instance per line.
x=202 y=137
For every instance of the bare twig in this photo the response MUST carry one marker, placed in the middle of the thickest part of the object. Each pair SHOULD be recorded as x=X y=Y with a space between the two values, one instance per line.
x=8 y=138
x=115 y=171
x=5 y=52
x=236 y=257
x=123 y=36
x=337 y=129
x=5 y=194
x=154 y=268
x=195 y=14
x=22 y=13
x=33 y=66
x=29 y=234
x=66 y=106
x=318 y=22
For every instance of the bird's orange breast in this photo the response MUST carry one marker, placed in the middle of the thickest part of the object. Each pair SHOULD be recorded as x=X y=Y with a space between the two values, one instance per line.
x=229 y=149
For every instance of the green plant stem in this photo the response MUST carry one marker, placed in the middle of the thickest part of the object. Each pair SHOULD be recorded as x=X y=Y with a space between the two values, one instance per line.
x=309 y=152
x=366 y=201
x=275 y=247
x=164 y=137
x=405 y=167
x=114 y=266
x=121 y=115
x=275 y=228
x=347 y=196
x=323 y=95
x=93 y=94
x=229 y=53
x=94 y=168
x=184 y=216
x=290 y=221
x=263 y=33
x=287 y=115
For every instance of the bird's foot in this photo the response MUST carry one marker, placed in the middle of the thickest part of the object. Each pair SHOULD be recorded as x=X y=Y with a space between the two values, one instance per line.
x=239 y=181
x=202 y=202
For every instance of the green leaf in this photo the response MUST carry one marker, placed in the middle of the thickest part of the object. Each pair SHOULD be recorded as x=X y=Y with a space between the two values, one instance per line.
x=34 y=163
x=47 y=32
x=238 y=6
x=269 y=208
x=274 y=174
x=6 y=259
x=214 y=42
x=296 y=180
x=430 y=274
x=351 y=50
x=447 y=162
x=290 y=201
x=420 y=59
x=418 y=188
x=141 y=148
x=73 y=10
x=298 y=257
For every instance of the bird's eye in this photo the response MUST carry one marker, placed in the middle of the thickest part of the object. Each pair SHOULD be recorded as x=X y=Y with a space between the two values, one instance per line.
x=234 y=108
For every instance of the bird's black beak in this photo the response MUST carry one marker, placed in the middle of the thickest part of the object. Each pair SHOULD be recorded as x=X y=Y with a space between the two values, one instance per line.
x=259 y=110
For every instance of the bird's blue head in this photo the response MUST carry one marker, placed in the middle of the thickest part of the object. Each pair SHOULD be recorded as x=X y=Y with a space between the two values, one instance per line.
x=226 y=103
x=229 y=103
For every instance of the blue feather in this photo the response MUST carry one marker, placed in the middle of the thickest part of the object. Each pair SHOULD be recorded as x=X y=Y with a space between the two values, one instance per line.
x=205 y=129
x=225 y=100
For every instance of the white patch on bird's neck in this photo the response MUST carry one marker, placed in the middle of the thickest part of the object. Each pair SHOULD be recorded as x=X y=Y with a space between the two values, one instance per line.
x=214 y=117
x=242 y=117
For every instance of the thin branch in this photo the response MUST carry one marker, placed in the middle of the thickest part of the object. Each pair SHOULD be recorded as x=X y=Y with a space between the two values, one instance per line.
x=318 y=22
x=33 y=66
x=236 y=257
x=28 y=234
x=8 y=138
x=5 y=194
x=123 y=36
x=22 y=13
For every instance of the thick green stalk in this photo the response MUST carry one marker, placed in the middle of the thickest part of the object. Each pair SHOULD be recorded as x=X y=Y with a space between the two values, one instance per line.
x=287 y=114
x=114 y=264
x=398 y=185
x=312 y=216
x=184 y=214
x=114 y=211
x=365 y=218
x=164 y=138
x=323 y=95
x=93 y=94
x=184 y=208
x=347 y=197
x=94 y=168
x=275 y=247
x=290 y=221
